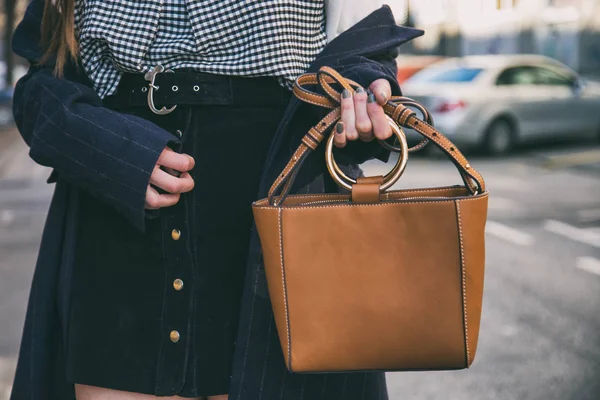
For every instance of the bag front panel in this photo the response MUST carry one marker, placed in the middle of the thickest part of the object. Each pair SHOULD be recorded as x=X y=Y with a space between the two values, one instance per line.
x=375 y=286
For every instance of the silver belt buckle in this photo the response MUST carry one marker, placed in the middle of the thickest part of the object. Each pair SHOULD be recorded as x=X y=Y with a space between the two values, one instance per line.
x=150 y=76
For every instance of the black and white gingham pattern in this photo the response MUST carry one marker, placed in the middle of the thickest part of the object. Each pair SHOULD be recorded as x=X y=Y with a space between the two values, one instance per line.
x=276 y=38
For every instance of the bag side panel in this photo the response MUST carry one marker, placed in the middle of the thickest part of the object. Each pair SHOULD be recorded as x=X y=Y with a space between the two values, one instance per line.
x=472 y=214
x=268 y=224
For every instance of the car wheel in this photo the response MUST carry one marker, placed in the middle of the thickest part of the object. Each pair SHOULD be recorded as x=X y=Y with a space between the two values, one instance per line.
x=500 y=137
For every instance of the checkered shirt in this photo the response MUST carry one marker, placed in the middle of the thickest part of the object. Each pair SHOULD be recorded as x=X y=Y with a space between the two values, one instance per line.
x=278 y=38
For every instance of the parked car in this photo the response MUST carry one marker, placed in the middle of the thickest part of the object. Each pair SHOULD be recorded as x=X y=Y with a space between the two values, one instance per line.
x=495 y=102
x=409 y=64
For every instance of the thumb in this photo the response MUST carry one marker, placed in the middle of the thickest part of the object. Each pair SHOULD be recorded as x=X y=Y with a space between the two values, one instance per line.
x=382 y=90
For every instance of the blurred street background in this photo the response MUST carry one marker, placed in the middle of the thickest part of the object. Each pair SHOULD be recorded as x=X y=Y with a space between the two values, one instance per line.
x=515 y=84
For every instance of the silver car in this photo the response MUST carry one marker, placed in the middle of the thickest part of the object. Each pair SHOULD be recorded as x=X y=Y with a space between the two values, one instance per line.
x=494 y=102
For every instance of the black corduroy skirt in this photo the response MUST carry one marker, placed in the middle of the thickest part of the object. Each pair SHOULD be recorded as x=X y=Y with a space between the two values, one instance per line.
x=156 y=312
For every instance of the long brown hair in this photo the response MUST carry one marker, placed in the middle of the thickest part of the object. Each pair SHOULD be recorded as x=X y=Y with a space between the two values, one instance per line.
x=58 y=33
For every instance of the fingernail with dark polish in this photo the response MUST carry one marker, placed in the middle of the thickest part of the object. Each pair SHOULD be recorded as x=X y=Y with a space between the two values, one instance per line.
x=371 y=98
x=345 y=94
x=360 y=90
x=339 y=128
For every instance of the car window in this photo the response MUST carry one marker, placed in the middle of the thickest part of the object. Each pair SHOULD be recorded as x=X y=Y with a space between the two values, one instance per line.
x=444 y=74
x=517 y=76
x=545 y=76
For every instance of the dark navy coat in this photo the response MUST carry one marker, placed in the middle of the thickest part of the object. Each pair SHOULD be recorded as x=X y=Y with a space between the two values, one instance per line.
x=111 y=156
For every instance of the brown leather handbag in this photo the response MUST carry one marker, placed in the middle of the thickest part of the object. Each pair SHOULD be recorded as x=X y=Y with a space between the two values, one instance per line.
x=374 y=279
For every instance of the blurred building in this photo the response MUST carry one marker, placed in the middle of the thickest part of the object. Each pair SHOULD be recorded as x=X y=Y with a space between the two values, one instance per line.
x=568 y=30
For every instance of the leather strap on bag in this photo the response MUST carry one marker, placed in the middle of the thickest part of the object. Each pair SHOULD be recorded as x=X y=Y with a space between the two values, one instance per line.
x=397 y=108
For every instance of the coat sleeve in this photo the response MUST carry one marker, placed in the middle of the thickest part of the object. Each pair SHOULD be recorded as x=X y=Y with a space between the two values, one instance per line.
x=108 y=154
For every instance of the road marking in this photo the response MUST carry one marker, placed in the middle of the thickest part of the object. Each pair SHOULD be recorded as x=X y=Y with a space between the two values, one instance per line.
x=509 y=234
x=502 y=203
x=573 y=159
x=587 y=236
x=589 y=264
x=589 y=215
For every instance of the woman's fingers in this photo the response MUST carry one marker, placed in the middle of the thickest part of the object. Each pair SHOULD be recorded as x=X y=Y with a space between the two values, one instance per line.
x=339 y=140
x=348 y=116
x=381 y=127
x=172 y=184
x=155 y=200
x=177 y=161
x=363 y=122
x=382 y=90
x=362 y=114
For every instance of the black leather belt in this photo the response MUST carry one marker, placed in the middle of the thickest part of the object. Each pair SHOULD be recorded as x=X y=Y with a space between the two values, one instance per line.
x=166 y=89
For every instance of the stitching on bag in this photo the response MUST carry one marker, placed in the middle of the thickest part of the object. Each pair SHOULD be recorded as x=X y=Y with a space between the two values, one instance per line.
x=457 y=155
x=315 y=134
x=405 y=114
x=404 y=191
x=386 y=195
x=309 y=143
x=329 y=120
x=336 y=78
x=285 y=301
x=464 y=284
x=299 y=153
x=479 y=197
x=308 y=100
x=397 y=111
x=304 y=92
x=329 y=89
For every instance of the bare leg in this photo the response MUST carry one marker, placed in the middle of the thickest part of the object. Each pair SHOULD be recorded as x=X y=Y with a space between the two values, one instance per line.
x=85 y=392
x=219 y=397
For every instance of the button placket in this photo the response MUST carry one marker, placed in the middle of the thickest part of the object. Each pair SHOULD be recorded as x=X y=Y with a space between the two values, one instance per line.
x=178 y=308
x=177 y=314
x=178 y=284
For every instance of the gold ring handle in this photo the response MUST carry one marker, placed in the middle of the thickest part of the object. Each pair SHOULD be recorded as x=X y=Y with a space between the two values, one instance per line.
x=389 y=179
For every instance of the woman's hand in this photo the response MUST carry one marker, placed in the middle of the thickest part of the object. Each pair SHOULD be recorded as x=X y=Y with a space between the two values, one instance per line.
x=174 y=183
x=362 y=114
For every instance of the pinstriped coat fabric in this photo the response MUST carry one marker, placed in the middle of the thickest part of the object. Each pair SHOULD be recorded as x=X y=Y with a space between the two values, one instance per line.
x=111 y=155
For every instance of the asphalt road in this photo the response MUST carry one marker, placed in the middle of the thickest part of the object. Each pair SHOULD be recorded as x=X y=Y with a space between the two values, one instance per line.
x=540 y=334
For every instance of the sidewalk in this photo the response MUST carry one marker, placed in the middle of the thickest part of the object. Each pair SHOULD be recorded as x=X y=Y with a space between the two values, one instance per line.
x=24 y=198
x=15 y=163
x=587 y=160
x=8 y=140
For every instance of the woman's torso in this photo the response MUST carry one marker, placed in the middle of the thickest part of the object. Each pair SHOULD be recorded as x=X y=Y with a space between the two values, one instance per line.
x=277 y=38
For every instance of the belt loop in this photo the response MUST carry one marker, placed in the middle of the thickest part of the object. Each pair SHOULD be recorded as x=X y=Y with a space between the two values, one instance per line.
x=230 y=86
